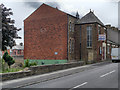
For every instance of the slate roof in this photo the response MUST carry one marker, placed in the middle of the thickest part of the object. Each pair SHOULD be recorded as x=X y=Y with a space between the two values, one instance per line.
x=18 y=47
x=90 y=18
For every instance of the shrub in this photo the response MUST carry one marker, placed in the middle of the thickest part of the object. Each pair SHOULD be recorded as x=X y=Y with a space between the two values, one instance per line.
x=27 y=64
x=33 y=64
x=8 y=59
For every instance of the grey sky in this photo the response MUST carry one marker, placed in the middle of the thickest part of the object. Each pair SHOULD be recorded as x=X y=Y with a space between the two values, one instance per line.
x=106 y=10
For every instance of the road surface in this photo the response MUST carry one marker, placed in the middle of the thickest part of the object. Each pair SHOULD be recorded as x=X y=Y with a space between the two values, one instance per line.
x=102 y=77
x=96 y=76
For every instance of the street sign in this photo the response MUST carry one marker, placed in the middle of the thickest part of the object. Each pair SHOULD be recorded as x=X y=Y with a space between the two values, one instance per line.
x=102 y=37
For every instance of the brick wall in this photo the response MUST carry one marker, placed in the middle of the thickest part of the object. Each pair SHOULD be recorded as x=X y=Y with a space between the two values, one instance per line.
x=46 y=34
x=71 y=38
x=94 y=51
x=77 y=42
x=17 y=52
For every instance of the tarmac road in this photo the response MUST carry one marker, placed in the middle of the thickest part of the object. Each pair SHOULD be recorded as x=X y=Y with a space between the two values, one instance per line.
x=89 y=76
x=102 y=77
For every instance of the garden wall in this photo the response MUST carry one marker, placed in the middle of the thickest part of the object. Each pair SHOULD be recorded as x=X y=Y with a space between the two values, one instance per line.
x=36 y=70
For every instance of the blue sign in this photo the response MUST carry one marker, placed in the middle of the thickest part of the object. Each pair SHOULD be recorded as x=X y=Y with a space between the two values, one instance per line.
x=56 y=53
x=102 y=37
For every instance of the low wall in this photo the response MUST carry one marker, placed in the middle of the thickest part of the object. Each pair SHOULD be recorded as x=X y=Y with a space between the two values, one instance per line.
x=19 y=59
x=36 y=70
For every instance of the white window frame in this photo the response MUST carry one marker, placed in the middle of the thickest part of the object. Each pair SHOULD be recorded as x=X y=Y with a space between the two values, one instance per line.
x=89 y=34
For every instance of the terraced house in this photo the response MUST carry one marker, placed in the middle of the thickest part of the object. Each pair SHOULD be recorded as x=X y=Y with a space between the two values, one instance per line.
x=53 y=36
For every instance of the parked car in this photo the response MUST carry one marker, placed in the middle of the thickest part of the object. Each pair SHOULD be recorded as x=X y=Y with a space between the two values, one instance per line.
x=115 y=54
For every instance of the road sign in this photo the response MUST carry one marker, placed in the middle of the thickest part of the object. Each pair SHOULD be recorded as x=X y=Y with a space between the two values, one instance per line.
x=102 y=37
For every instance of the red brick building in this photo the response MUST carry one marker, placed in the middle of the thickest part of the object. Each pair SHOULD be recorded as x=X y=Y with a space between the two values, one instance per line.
x=17 y=50
x=46 y=34
x=53 y=36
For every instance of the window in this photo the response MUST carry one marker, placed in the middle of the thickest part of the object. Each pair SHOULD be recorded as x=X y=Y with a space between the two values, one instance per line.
x=89 y=36
x=18 y=51
x=99 y=31
x=70 y=46
x=73 y=46
x=15 y=52
x=70 y=27
x=100 y=49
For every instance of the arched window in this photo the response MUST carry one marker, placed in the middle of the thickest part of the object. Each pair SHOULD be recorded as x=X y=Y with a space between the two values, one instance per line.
x=70 y=26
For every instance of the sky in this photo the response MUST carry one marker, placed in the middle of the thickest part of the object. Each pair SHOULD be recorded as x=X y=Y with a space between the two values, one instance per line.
x=105 y=10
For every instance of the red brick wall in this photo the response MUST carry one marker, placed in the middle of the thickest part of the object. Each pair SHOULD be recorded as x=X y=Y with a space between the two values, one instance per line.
x=45 y=32
x=16 y=52
x=99 y=43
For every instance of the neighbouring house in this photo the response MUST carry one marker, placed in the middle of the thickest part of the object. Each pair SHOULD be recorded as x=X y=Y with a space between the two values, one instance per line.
x=52 y=36
x=17 y=50
x=113 y=35
x=91 y=38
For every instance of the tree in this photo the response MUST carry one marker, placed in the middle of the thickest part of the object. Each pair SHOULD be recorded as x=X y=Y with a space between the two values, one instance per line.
x=8 y=59
x=9 y=31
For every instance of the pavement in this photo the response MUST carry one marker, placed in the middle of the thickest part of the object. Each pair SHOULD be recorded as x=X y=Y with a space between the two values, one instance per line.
x=100 y=75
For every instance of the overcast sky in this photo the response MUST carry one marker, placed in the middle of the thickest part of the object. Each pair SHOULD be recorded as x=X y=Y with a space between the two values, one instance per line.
x=105 y=10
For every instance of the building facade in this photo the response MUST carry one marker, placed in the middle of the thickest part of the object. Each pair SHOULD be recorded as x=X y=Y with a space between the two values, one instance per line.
x=48 y=35
x=92 y=47
x=17 y=50
x=113 y=35
x=52 y=36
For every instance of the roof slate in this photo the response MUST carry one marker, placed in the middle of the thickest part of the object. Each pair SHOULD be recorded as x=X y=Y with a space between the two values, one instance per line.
x=89 y=18
x=18 y=47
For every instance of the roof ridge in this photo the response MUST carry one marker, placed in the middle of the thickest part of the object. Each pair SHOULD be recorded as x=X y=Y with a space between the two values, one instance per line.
x=90 y=18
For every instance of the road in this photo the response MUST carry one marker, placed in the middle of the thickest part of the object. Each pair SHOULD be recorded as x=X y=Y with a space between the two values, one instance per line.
x=97 y=76
x=102 y=77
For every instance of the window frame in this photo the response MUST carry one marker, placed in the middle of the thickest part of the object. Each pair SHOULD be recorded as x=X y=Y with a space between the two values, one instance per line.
x=89 y=36
x=70 y=26
x=70 y=46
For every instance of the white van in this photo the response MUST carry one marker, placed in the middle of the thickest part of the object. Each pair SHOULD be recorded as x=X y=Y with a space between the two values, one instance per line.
x=115 y=54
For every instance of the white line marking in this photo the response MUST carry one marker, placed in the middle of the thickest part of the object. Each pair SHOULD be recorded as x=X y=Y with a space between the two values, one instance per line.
x=80 y=85
x=107 y=73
